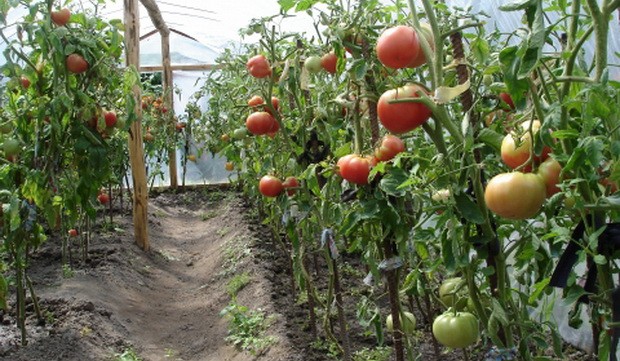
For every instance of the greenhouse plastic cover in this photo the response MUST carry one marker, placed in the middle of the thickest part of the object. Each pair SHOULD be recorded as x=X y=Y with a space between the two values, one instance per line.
x=215 y=25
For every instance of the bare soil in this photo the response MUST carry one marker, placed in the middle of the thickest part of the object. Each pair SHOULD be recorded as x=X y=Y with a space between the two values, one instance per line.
x=165 y=304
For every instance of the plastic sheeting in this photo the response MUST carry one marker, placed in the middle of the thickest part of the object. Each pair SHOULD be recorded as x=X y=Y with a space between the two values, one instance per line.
x=508 y=22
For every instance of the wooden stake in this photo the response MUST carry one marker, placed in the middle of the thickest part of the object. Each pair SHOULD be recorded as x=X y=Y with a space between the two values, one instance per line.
x=168 y=89
x=136 y=148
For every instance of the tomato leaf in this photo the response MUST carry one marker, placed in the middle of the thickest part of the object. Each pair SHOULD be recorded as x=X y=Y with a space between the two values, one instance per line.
x=615 y=151
x=604 y=345
x=491 y=138
x=480 y=49
x=468 y=209
x=565 y=134
x=600 y=259
x=539 y=288
x=511 y=63
x=392 y=181
x=498 y=312
x=517 y=5
x=286 y=5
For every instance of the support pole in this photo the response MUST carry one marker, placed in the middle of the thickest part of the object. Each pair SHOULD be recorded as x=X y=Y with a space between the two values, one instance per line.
x=136 y=149
x=169 y=103
x=158 y=21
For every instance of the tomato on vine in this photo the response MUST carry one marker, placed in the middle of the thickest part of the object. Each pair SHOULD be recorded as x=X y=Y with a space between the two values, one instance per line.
x=60 y=17
x=290 y=184
x=515 y=195
x=390 y=146
x=550 y=171
x=456 y=329
x=355 y=169
x=258 y=66
x=518 y=146
x=270 y=186
x=260 y=123
x=76 y=63
x=407 y=326
x=329 y=61
x=402 y=117
x=398 y=47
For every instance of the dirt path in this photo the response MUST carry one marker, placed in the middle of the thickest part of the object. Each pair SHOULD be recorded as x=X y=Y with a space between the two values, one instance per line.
x=163 y=304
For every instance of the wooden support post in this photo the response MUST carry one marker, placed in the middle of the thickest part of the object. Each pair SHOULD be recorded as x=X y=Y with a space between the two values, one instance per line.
x=136 y=150
x=168 y=89
x=164 y=32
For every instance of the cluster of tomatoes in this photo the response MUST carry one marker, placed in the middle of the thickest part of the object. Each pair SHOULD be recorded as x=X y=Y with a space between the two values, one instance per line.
x=74 y=62
x=520 y=194
x=271 y=186
x=262 y=120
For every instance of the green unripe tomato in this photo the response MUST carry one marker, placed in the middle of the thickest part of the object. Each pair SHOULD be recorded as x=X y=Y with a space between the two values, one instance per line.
x=487 y=80
x=240 y=133
x=313 y=64
x=448 y=293
x=456 y=330
x=408 y=326
x=6 y=128
x=11 y=147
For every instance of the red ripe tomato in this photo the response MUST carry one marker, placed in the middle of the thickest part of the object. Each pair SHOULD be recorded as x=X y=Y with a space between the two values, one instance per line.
x=275 y=126
x=275 y=103
x=428 y=35
x=289 y=184
x=390 y=146
x=76 y=64
x=60 y=17
x=402 y=117
x=25 y=82
x=328 y=62
x=270 y=186
x=515 y=195
x=259 y=123
x=103 y=198
x=73 y=232
x=516 y=150
x=258 y=66
x=506 y=98
x=356 y=169
x=550 y=170
x=398 y=47
x=256 y=101
x=110 y=118
x=342 y=161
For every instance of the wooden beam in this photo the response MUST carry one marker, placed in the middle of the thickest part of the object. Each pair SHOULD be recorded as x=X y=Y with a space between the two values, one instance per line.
x=168 y=89
x=136 y=149
x=155 y=15
x=188 y=67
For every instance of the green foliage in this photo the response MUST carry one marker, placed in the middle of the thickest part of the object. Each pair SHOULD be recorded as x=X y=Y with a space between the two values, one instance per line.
x=373 y=354
x=237 y=283
x=247 y=328
x=127 y=355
